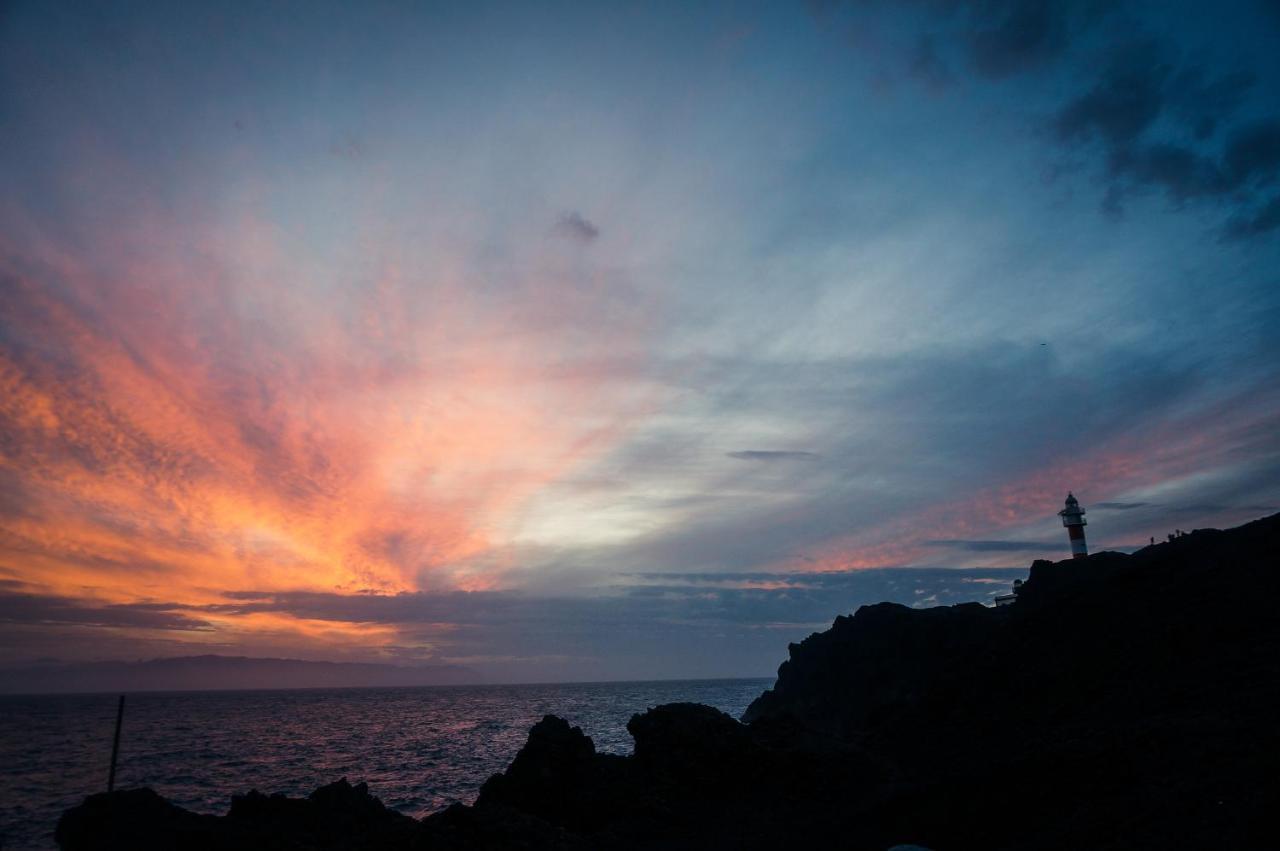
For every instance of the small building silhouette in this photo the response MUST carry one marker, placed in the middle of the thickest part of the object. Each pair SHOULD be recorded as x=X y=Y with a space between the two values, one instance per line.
x=1010 y=598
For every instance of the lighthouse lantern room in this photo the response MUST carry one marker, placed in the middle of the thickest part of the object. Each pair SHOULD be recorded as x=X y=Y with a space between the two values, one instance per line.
x=1073 y=518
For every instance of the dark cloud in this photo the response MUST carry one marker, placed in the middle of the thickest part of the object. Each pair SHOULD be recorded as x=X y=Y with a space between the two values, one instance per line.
x=1125 y=101
x=47 y=609
x=999 y=38
x=994 y=39
x=1150 y=113
x=1200 y=508
x=574 y=226
x=1219 y=507
x=1140 y=90
x=1120 y=506
x=1251 y=158
x=1023 y=35
x=1138 y=84
x=884 y=583
x=1254 y=223
x=999 y=546
x=1179 y=170
x=1202 y=102
x=360 y=608
x=1253 y=153
x=247 y=595
x=770 y=455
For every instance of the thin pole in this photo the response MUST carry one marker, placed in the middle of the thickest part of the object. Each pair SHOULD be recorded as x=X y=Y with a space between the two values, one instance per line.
x=115 y=746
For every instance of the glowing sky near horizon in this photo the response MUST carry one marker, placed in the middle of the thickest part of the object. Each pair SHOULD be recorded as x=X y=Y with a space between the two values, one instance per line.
x=473 y=332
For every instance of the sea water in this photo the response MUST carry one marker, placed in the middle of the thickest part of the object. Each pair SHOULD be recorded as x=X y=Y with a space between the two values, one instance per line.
x=419 y=749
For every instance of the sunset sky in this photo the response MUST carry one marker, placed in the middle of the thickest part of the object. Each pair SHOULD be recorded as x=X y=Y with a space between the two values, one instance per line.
x=599 y=340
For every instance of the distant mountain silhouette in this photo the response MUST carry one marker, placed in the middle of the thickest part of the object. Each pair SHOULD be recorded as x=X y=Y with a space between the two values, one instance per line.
x=182 y=673
x=1122 y=702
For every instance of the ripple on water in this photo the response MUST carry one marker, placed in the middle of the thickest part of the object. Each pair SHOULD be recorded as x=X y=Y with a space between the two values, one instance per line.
x=420 y=749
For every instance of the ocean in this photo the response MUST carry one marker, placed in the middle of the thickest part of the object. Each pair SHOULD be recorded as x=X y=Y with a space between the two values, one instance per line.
x=419 y=749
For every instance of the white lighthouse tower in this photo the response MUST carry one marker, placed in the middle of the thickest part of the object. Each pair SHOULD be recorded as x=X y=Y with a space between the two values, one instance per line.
x=1073 y=518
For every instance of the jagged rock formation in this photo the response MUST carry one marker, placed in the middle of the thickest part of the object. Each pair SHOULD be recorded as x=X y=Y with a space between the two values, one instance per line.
x=1121 y=702
x=337 y=816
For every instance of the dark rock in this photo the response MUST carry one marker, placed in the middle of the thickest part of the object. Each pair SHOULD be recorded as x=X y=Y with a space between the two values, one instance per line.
x=688 y=740
x=546 y=774
x=131 y=819
x=871 y=668
x=335 y=816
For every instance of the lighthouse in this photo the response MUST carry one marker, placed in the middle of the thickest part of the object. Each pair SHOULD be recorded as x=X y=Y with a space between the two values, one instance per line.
x=1073 y=518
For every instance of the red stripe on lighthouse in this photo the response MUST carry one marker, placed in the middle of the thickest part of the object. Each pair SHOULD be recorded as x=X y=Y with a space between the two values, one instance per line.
x=1078 y=547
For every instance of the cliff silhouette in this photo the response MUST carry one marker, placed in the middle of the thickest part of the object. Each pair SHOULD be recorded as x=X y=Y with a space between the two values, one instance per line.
x=1123 y=701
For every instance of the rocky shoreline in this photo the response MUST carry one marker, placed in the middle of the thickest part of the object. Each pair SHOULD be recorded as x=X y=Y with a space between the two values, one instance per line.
x=1124 y=701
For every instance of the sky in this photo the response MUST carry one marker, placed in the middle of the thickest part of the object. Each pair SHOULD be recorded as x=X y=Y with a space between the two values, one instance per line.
x=601 y=341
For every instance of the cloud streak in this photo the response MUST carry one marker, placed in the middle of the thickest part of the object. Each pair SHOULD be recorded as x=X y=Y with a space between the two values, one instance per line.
x=770 y=455
x=999 y=546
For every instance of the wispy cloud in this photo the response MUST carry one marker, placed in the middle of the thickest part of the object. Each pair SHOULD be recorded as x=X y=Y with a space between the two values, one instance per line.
x=770 y=455
x=53 y=610
x=998 y=546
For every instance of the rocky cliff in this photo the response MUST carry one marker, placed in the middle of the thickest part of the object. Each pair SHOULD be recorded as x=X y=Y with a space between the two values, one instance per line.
x=1121 y=702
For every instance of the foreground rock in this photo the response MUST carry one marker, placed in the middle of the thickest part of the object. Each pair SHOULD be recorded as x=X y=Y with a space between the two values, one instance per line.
x=335 y=816
x=1122 y=702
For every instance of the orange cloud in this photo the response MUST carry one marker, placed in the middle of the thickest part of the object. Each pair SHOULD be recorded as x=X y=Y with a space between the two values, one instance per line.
x=181 y=419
